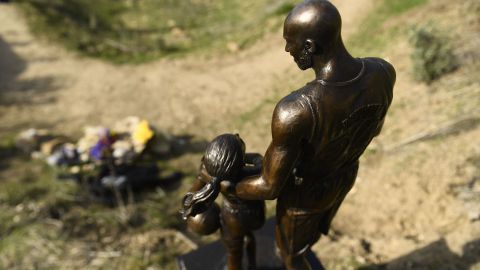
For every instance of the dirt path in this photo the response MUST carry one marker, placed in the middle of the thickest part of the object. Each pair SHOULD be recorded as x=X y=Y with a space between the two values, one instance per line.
x=48 y=86
x=403 y=204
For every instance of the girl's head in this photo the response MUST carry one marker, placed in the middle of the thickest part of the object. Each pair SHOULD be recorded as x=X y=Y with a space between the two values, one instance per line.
x=224 y=156
x=223 y=160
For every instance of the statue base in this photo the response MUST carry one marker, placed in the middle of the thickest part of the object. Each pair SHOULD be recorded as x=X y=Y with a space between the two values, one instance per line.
x=212 y=256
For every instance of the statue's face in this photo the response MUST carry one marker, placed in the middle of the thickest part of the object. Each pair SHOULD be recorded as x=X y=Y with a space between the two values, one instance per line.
x=295 y=45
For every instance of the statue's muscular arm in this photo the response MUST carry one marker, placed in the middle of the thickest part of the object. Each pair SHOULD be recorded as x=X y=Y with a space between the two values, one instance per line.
x=290 y=123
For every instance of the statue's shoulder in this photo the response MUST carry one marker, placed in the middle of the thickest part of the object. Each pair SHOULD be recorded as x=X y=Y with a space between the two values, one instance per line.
x=382 y=67
x=291 y=109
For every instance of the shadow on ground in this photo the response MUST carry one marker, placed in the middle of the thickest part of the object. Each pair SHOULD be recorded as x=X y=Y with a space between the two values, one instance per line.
x=185 y=144
x=436 y=255
x=7 y=152
x=17 y=91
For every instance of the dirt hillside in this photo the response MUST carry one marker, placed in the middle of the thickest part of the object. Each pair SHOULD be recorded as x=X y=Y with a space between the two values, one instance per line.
x=415 y=202
x=51 y=87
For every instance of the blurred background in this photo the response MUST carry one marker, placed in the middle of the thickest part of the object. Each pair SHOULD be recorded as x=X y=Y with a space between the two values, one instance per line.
x=106 y=107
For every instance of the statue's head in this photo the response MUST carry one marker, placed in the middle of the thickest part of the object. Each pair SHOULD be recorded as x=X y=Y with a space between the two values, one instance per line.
x=312 y=29
x=225 y=156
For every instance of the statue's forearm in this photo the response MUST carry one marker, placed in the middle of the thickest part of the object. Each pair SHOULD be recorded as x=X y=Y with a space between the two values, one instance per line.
x=255 y=188
x=267 y=185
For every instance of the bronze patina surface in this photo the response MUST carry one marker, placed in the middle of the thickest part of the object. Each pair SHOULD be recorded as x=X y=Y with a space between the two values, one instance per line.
x=225 y=160
x=319 y=131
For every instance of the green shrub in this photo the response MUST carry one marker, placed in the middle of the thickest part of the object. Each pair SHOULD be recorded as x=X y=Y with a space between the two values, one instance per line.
x=432 y=56
x=136 y=31
x=82 y=25
x=284 y=8
x=372 y=36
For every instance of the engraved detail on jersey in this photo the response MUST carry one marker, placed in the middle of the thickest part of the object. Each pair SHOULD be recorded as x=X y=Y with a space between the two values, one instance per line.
x=355 y=133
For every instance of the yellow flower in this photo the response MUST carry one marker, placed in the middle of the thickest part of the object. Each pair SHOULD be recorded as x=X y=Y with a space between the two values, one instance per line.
x=143 y=133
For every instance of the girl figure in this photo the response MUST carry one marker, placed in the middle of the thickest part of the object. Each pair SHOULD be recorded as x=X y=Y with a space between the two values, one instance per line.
x=225 y=159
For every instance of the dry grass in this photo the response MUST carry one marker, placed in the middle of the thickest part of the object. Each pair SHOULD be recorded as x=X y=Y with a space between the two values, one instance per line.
x=401 y=207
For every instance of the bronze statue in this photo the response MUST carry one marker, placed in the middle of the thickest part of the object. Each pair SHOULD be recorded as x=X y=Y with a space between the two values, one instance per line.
x=319 y=132
x=225 y=159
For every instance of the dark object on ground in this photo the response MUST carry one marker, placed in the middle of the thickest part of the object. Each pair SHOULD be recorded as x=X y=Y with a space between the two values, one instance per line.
x=436 y=255
x=212 y=256
x=106 y=186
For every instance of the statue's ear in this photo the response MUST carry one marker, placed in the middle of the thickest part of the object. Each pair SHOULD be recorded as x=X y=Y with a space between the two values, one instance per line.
x=310 y=46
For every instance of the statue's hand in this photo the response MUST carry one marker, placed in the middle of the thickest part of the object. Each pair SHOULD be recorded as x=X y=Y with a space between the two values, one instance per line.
x=254 y=159
x=227 y=187
x=254 y=164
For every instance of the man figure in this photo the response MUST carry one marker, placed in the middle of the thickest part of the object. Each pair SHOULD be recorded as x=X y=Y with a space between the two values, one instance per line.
x=319 y=131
